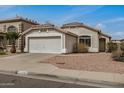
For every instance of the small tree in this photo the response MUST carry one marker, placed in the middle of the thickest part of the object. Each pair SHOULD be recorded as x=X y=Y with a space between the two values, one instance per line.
x=82 y=48
x=12 y=36
x=122 y=47
x=112 y=47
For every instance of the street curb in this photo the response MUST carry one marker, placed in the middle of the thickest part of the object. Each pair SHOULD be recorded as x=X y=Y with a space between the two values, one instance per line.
x=77 y=80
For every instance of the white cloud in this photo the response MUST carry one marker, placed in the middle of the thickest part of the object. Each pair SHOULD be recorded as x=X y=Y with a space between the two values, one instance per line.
x=114 y=20
x=117 y=35
x=77 y=12
x=100 y=26
x=103 y=24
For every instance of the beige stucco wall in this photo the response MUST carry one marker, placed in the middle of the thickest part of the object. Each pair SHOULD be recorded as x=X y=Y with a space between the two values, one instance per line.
x=16 y=24
x=67 y=41
x=70 y=41
x=94 y=37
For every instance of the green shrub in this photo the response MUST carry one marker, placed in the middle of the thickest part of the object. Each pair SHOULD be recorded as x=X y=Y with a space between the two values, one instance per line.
x=112 y=47
x=117 y=53
x=82 y=48
x=2 y=53
x=122 y=47
x=1 y=49
x=117 y=56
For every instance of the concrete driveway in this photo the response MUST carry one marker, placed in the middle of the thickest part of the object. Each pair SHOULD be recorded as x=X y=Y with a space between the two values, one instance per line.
x=27 y=57
x=26 y=61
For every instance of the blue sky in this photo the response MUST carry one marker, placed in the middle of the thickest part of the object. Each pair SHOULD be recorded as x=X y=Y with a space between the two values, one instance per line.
x=110 y=19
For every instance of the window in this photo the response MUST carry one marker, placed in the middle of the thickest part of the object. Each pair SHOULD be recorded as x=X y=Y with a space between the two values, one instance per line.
x=86 y=40
x=11 y=29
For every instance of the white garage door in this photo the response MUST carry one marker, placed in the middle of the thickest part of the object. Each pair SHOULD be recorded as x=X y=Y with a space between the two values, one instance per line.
x=45 y=45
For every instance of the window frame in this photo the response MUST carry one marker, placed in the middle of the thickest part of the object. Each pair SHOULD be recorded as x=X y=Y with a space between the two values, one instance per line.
x=10 y=27
x=86 y=39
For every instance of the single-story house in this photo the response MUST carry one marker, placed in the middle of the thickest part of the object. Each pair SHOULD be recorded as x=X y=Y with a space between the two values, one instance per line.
x=49 y=39
x=92 y=37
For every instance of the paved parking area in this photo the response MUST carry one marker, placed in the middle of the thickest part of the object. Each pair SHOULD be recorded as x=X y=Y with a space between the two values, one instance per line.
x=99 y=62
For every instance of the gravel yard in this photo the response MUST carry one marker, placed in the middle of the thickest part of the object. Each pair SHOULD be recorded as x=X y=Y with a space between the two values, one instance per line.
x=100 y=62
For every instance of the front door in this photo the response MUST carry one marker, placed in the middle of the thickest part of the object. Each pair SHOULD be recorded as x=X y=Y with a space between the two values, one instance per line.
x=102 y=45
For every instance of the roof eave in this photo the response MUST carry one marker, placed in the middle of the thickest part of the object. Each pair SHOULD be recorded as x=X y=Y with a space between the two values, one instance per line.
x=17 y=19
x=58 y=29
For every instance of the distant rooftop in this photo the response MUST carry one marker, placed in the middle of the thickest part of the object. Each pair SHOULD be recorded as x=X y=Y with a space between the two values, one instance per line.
x=73 y=24
x=46 y=25
x=19 y=18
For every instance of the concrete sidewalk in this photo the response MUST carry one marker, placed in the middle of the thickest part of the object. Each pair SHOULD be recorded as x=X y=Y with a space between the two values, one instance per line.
x=75 y=75
x=50 y=71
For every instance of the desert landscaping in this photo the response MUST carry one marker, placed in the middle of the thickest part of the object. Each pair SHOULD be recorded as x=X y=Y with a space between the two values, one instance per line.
x=99 y=62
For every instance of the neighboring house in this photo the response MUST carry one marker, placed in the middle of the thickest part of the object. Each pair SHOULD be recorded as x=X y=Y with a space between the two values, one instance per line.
x=93 y=38
x=118 y=41
x=17 y=24
x=47 y=38
x=2 y=40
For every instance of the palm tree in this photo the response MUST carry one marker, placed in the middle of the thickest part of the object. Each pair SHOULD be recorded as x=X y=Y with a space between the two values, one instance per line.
x=12 y=36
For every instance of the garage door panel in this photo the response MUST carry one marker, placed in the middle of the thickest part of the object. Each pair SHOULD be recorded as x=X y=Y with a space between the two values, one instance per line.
x=45 y=45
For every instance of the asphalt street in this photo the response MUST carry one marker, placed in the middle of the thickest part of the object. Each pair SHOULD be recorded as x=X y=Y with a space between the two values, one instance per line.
x=10 y=81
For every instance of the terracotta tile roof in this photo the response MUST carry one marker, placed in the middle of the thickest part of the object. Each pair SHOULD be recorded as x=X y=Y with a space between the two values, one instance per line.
x=46 y=26
x=73 y=24
x=78 y=24
x=17 y=18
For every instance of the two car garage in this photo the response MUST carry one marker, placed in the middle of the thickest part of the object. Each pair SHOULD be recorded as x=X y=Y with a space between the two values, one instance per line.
x=49 y=40
x=45 y=44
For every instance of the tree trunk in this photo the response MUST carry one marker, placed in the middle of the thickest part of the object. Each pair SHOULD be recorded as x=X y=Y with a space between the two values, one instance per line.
x=13 y=48
x=22 y=44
